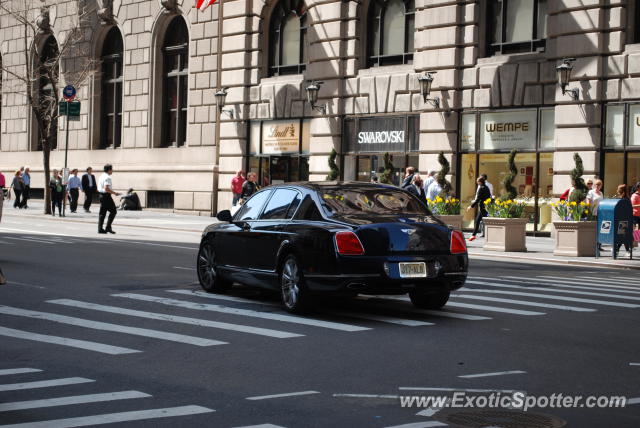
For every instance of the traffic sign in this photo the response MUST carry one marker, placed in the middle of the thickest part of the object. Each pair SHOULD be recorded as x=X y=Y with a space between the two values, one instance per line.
x=69 y=108
x=69 y=93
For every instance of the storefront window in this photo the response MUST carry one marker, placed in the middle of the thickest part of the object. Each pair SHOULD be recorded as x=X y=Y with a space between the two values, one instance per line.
x=547 y=128
x=634 y=125
x=614 y=134
x=468 y=174
x=613 y=172
x=468 y=132
x=621 y=149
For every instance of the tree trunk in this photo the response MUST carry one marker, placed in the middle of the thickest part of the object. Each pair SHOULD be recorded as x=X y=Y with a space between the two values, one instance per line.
x=47 y=190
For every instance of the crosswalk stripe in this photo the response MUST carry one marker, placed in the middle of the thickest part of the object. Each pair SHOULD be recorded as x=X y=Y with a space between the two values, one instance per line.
x=632 y=280
x=603 y=284
x=494 y=309
x=591 y=279
x=97 y=325
x=177 y=319
x=44 y=383
x=74 y=343
x=370 y=317
x=473 y=376
x=287 y=394
x=110 y=418
x=262 y=426
x=556 y=290
x=18 y=371
x=524 y=303
x=243 y=312
x=566 y=298
x=614 y=288
x=425 y=424
x=76 y=399
x=39 y=241
x=445 y=314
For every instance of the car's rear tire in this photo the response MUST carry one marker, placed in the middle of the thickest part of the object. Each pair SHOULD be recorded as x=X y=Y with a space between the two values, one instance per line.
x=294 y=294
x=429 y=301
x=208 y=275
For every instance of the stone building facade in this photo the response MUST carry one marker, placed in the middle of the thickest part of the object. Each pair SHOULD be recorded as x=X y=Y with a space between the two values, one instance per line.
x=496 y=67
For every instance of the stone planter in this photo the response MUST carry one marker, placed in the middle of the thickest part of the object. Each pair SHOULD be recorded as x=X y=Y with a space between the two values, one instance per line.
x=575 y=238
x=454 y=221
x=505 y=234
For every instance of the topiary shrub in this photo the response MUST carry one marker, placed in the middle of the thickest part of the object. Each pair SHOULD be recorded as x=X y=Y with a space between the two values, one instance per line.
x=334 y=171
x=387 y=174
x=507 y=182
x=441 y=178
x=580 y=188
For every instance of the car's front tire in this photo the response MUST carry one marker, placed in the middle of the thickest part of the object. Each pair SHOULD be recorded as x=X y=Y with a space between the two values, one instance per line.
x=293 y=292
x=429 y=301
x=209 y=278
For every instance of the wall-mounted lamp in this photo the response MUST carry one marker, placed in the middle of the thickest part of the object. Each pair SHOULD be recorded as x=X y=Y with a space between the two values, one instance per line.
x=221 y=98
x=312 y=96
x=425 y=81
x=564 y=75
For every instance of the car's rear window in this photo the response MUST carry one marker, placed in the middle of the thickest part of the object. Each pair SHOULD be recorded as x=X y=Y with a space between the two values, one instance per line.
x=376 y=200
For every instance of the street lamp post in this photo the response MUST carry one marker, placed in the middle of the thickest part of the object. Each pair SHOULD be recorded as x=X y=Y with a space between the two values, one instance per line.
x=426 y=80
x=564 y=76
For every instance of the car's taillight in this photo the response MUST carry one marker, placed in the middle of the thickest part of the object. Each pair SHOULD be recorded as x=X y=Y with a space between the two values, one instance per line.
x=348 y=244
x=458 y=246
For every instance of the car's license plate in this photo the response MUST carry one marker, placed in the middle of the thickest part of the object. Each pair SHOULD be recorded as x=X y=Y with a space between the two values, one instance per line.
x=413 y=270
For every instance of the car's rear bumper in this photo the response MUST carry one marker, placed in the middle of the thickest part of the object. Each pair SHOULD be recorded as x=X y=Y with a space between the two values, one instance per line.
x=379 y=275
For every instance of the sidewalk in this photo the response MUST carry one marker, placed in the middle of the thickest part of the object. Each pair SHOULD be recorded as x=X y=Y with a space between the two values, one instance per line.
x=154 y=219
x=540 y=249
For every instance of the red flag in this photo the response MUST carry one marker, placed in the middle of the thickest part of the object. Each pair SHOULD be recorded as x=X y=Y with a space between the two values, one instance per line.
x=203 y=4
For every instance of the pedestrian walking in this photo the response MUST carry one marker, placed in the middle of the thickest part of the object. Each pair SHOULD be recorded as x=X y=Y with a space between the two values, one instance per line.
x=89 y=187
x=73 y=187
x=26 y=191
x=3 y=184
x=105 y=188
x=236 y=186
x=595 y=195
x=417 y=188
x=635 y=203
x=57 y=192
x=489 y=185
x=408 y=177
x=482 y=195
x=249 y=187
x=18 y=187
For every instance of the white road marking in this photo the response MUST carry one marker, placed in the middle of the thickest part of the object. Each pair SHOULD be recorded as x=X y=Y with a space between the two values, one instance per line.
x=631 y=280
x=614 y=288
x=395 y=397
x=110 y=418
x=262 y=426
x=632 y=401
x=436 y=313
x=494 y=309
x=370 y=317
x=37 y=241
x=522 y=302
x=74 y=343
x=428 y=412
x=289 y=394
x=97 y=325
x=18 y=371
x=634 y=364
x=184 y=268
x=420 y=425
x=428 y=388
x=25 y=285
x=552 y=297
x=44 y=383
x=177 y=319
x=592 y=280
x=561 y=289
x=66 y=401
x=561 y=282
x=243 y=312
x=6 y=243
x=473 y=376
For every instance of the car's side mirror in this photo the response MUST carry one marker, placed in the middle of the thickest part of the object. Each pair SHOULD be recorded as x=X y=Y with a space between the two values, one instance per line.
x=224 y=215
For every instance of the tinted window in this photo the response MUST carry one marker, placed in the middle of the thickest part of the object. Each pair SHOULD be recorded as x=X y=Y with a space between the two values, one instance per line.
x=278 y=205
x=253 y=206
x=308 y=210
x=369 y=201
x=294 y=206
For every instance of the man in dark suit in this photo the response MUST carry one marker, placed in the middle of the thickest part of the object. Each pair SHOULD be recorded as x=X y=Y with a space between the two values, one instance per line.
x=89 y=187
x=416 y=187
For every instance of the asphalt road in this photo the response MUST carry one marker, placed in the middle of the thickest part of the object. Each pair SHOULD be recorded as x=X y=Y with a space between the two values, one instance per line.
x=76 y=303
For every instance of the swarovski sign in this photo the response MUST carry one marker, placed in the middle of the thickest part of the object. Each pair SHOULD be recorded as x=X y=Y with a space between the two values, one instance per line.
x=381 y=137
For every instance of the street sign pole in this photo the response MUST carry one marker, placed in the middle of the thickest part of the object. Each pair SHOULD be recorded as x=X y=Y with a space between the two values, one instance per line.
x=66 y=156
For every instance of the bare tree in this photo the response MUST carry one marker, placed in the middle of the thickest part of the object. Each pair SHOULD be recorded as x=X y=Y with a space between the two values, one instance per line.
x=47 y=65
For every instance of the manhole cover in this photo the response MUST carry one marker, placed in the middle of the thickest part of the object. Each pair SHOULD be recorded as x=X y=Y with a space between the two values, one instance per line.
x=498 y=419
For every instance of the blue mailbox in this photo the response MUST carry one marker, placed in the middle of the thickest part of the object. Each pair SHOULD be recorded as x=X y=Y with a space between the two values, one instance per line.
x=615 y=224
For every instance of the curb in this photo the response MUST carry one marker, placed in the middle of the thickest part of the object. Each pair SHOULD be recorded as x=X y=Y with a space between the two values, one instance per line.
x=574 y=262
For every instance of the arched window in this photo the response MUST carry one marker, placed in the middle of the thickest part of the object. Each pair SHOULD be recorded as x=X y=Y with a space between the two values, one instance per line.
x=111 y=96
x=48 y=70
x=175 y=52
x=391 y=26
x=288 y=38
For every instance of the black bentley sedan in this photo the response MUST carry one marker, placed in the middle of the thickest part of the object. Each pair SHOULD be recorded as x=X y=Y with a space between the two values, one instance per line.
x=347 y=237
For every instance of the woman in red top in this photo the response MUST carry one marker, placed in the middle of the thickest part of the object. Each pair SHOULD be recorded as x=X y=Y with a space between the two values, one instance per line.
x=635 y=202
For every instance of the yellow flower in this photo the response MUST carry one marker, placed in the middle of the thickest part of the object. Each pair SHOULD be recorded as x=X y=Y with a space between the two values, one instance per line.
x=582 y=204
x=586 y=211
x=573 y=203
x=447 y=201
x=430 y=201
x=488 y=200
x=509 y=201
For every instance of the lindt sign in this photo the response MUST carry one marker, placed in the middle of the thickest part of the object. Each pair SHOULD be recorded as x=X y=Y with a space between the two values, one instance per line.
x=281 y=137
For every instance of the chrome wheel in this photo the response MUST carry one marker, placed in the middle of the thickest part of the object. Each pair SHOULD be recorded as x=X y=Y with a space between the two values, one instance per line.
x=291 y=284
x=207 y=274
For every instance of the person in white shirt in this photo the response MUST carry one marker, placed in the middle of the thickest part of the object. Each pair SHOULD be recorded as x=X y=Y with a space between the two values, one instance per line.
x=489 y=185
x=594 y=196
x=433 y=191
x=431 y=178
x=105 y=188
